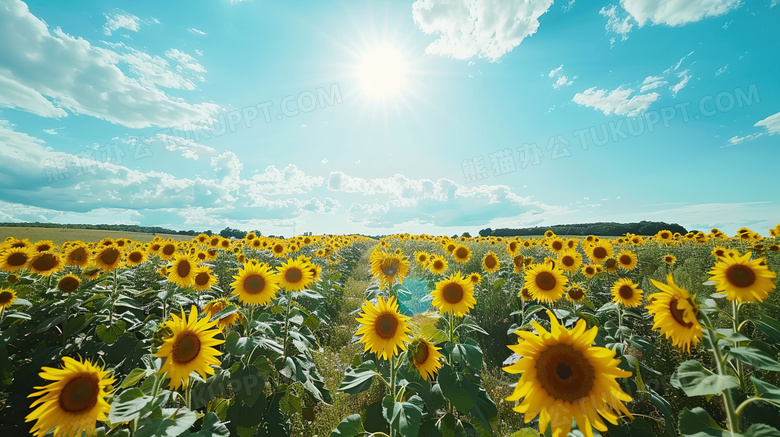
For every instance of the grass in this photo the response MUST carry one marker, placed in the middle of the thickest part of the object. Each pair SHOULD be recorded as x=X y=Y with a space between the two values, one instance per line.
x=61 y=235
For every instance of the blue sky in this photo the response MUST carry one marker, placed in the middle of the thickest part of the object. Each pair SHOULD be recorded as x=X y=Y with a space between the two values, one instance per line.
x=376 y=117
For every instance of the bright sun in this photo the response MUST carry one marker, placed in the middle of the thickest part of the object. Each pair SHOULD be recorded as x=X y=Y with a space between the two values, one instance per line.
x=381 y=72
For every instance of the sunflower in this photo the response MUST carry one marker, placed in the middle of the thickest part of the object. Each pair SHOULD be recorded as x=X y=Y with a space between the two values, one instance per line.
x=255 y=284
x=73 y=401
x=12 y=279
x=383 y=328
x=565 y=378
x=135 y=257
x=475 y=278
x=69 y=283
x=388 y=267
x=454 y=294
x=278 y=250
x=15 y=259
x=742 y=279
x=575 y=293
x=316 y=271
x=525 y=294
x=490 y=263
x=462 y=254
x=189 y=348
x=670 y=259
x=512 y=247
x=425 y=357
x=217 y=305
x=590 y=270
x=437 y=265
x=167 y=250
x=295 y=275
x=45 y=263
x=675 y=314
x=182 y=269
x=600 y=251
x=78 y=255
x=7 y=298
x=108 y=258
x=545 y=282
x=422 y=258
x=626 y=293
x=203 y=278
x=626 y=260
x=569 y=260
x=556 y=245
x=44 y=246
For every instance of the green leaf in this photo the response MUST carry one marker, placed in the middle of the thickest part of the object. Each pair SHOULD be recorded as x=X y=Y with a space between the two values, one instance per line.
x=127 y=405
x=468 y=355
x=755 y=357
x=434 y=335
x=457 y=388
x=768 y=326
x=109 y=334
x=695 y=380
x=638 y=427
x=698 y=423
x=403 y=416
x=526 y=432
x=212 y=427
x=133 y=377
x=663 y=406
x=761 y=430
x=357 y=380
x=179 y=421
x=248 y=384
x=766 y=390
x=351 y=426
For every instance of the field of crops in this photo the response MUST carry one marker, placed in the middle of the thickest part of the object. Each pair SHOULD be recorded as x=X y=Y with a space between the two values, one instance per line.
x=411 y=335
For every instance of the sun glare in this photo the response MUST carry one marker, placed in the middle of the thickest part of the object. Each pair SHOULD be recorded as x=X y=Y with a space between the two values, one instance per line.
x=382 y=72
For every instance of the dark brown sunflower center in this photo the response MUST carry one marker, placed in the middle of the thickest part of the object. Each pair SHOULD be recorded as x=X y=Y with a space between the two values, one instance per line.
x=438 y=265
x=677 y=314
x=513 y=246
x=293 y=275
x=720 y=253
x=546 y=281
x=665 y=235
x=5 y=297
x=567 y=260
x=135 y=257
x=526 y=294
x=452 y=293
x=625 y=260
x=390 y=266
x=254 y=284
x=17 y=259
x=626 y=292
x=18 y=245
x=186 y=348
x=202 y=278
x=45 y=262
x=557 y=245
x=80 y=394
x=168 y=249
x=740 y=275
x=669 y=259
x=68 y=284
x=43 y=247
x=386 y=325
x=576 y=294
x=422 y=353
x=183 y=268
x=518 y=260
x=278 y=248
x=600 y=252
x=491 y=262
x=78 y=255
x=109 y=256
x=611 y=263
x=564 y=373
x=156 y=247
x=461 y=253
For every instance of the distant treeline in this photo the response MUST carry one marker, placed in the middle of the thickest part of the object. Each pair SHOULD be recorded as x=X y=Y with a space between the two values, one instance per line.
x=601 y=228
x=124 y=228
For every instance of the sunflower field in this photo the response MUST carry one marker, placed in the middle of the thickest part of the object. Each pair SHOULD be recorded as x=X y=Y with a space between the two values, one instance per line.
x=409 y=335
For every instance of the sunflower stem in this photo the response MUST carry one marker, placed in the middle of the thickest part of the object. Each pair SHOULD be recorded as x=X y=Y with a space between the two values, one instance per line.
x=720 y=361
x=287 y=324
x=188 y=396
x=392 y=387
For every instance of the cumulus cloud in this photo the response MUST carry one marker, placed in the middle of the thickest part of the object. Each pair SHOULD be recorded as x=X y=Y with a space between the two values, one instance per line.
x=189 y=149
x=684 y=77
x=736 y=139
x=771 y=124
x=478 y=28
x=79 y=77
x=618 y=101
x=196 y=31
x=561 y=80
x=651 y=83
x=617 y=22
x=676 y=12
x=121 y=20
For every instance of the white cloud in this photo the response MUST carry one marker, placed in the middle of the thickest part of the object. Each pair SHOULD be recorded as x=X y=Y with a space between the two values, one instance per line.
x=19 y=96
x=684 y=78
x=185 y=61
x=676 y=12
x=651 y=83
x=618 y=101
x=189 y=149
x=153 y=70
x=79 y=77
x=735 y=140
x=567 y=8
x=721 y=70
x=121 y=20
x=773 y=4
x=771 y=123
x=196 y=31
x=52 y=131
x=617 y=23
x=560 y=79
x=478 y=28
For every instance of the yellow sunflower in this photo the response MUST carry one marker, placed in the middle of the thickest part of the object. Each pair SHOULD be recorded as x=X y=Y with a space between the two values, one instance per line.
x=454 y=294
x=590 y=270
x=437 y=265
x=626 y=293
x=45 y=263
x=675 y=314
x=69 y=283
x=626 y=260
x=383 y=328
x=295 y=274
x=575 y=293
x=167 y=250
x=108 y=258
x=742 y=279
x=135 y=257
x=462 y=254
x=556 y=245
x=15 y=259
x=490 y=263
x=217 y=305
x=388 y=267
x=565 y=378
x=545 y=282
x=569 y=260
x=475 y=278
x=203 y=278
x=44 y=246
x=278 y=250
x=670 y=259
x=189 y=348
x=7 y=298
x=73 y=402
x=255 y=284
x=600 y=251
x=182 y=270
x=77 y=255
x=425 y=357
x=526 y=295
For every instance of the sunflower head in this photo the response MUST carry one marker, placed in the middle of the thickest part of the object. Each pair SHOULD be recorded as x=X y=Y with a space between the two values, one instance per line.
x=626 y=293
x=15 y=258
x=77 y=255
x=45 y=263
x=69 y=283
x=7 y=298
x=203 y=278
x=545 y=282
x=389 y=267
x=475 y=278
x=461 y=254
x=575 y=293
x=217 y=305
x=295 y=275
x=73 y=401
x=454 y=294
x=383 y=329
x=425 y=357
x=675 y=313
x=182 y=270
x=255 y=284
x=670 y=259
x=108 y=258
x=437 y=265
x=743 y=280
x=490 y=263
x=626 y=260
